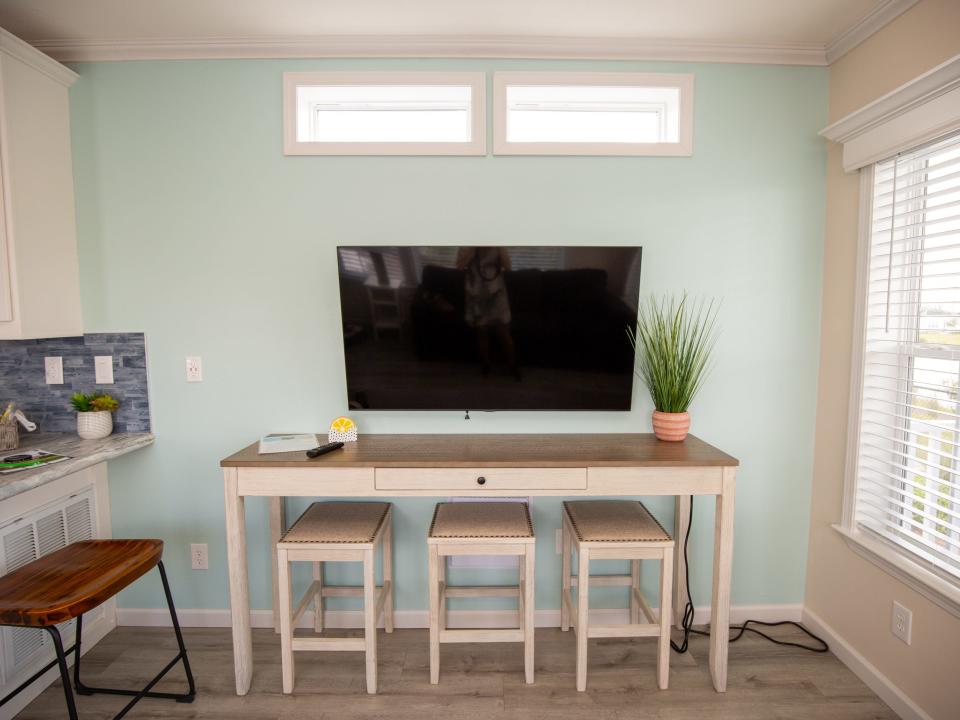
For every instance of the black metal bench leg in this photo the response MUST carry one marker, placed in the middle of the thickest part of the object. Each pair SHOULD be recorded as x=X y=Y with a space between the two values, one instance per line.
x=176 y=629
x=181 y=656
x=64 y=673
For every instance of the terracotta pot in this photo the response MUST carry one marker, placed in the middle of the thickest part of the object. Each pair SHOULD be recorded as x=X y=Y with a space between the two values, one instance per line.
x=94 y=425
x=672 y=427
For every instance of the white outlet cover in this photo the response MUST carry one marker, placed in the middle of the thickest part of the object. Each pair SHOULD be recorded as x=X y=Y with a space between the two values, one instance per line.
x=53 y=370
x=901 y=622
x=103 y=369
x=198 y=556
x=194 y=369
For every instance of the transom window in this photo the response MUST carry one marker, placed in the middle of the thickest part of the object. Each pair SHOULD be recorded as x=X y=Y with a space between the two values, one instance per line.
x=384 y=114
x=592 y=114
x=908 y=462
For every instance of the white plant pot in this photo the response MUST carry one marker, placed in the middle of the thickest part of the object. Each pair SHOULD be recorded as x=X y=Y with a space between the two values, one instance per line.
x=94 y=425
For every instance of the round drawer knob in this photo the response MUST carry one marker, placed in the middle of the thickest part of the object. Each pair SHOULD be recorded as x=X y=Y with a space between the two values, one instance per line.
x=481 y=480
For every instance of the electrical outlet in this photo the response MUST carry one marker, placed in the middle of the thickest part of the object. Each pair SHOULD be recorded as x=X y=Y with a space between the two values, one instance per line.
x=53 y=370
x=103 y=369
x=194 y=369
x=558 y=541
x=901 y=622
x=198 y=556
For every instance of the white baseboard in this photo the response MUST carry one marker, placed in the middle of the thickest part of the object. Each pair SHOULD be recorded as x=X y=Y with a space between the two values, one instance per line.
x=149 y=617
x=865 y=670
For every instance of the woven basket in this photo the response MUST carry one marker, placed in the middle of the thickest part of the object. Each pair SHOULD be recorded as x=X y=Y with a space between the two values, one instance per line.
x=9 y=434
x=94 y=425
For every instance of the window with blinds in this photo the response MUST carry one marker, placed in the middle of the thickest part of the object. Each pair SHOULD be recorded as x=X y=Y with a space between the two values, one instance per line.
x=908 y=464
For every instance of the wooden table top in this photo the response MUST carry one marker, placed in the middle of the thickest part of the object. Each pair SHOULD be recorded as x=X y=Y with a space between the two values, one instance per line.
x=485 y=450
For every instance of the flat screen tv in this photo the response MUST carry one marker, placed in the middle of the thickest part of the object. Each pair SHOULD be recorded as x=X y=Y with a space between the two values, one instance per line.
x=489 y=328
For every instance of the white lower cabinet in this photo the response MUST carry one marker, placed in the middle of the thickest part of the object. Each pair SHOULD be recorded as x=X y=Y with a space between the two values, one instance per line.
x=32 y=525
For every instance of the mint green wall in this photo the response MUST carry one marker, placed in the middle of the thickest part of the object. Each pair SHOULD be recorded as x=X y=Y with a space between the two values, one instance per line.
x=197 y=230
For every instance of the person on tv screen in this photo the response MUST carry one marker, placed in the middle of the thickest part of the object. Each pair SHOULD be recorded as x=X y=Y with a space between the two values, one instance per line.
x=487 y=305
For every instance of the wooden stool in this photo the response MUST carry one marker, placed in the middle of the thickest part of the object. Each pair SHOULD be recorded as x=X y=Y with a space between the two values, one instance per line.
x=615 y=530
x=495 y=528
x=337 y=532
x=73 y=580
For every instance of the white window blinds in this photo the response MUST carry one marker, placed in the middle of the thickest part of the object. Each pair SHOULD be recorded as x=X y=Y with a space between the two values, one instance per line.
x=908 y=479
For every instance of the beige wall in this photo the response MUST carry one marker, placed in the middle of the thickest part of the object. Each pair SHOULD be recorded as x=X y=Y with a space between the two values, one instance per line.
x=847 y=592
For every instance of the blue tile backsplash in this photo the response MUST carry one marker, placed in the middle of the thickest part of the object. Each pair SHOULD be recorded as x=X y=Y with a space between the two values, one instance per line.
x=22 y=379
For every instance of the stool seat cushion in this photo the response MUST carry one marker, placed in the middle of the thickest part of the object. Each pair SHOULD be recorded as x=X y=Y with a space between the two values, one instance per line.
x=481 y=520
x=69 y=582
x=613 y=521
x=338 y=522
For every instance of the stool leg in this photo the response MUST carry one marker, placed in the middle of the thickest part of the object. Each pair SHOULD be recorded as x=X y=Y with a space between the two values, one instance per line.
x=433 y=579
x=442 y=584
x=666 y=598
x=318 y=598
x=78 y=639
x=634 y=583
x=386 y=558
x=286 y=624
x=564 y=610
x=529 y=605
x=64 y=673
x=583 y=608
x=370 y=619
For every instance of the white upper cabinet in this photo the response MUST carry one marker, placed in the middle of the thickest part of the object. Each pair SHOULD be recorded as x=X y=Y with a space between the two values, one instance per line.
x=39 y=274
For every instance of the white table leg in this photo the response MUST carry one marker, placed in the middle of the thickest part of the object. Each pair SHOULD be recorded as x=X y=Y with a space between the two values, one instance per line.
x=239 y=588
x=278 y=525
x=722 y=570
x=680 y=524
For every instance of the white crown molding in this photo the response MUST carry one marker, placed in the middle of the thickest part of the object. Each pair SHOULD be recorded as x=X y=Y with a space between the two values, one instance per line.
x=881 y=15
x=26 y=53
x=933 y=83
x=433 y=46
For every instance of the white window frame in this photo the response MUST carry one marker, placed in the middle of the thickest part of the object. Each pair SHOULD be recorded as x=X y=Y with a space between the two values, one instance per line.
x=910 y=116
x=501 y=146
x=478 y=130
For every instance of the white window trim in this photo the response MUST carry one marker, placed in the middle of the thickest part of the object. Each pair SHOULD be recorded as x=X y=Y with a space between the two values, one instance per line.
x=476 y=80
x=501 y=146
x=910 y=116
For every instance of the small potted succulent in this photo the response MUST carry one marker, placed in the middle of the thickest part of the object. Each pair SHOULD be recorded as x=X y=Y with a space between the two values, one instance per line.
x=673 y=342
x=94 y=414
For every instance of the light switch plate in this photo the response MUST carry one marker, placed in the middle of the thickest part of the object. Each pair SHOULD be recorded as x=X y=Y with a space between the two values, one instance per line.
x=103 y=369
x=53 y=370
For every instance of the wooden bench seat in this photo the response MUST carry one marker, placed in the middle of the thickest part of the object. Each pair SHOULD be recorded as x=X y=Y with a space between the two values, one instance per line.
x=69 y=582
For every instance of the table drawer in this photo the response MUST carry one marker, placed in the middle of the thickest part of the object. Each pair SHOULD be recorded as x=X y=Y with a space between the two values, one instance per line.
x=479 y=479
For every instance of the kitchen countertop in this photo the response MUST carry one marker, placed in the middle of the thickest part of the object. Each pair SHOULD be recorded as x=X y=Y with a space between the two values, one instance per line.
x=83 y=454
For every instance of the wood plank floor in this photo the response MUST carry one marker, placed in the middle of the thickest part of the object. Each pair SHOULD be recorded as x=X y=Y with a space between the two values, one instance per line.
x=484 y=681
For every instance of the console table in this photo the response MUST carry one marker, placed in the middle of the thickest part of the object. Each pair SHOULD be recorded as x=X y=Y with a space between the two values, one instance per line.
x=487 y=466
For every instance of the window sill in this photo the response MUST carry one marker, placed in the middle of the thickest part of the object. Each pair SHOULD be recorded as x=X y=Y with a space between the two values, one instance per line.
x=932 y=586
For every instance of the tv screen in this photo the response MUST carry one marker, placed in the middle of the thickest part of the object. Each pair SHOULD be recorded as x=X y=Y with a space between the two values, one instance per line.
x=489 y=328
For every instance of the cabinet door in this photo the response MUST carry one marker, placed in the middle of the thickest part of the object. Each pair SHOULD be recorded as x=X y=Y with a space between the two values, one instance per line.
x=6 y=298
x=24 y=650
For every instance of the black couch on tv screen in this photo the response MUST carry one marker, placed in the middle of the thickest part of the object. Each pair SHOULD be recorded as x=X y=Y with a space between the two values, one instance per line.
x=560 y=318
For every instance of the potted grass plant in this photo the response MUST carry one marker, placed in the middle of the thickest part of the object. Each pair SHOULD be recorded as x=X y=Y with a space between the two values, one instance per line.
x=94 y=414
x=673 y=342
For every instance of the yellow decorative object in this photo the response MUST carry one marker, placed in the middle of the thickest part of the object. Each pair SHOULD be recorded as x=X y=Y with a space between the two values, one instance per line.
x=343 y=429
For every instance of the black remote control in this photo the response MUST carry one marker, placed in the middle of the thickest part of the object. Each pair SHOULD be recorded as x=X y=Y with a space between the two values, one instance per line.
x=323 y=449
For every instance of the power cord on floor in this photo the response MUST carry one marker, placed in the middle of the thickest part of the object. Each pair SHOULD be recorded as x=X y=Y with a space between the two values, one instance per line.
x=689 y=611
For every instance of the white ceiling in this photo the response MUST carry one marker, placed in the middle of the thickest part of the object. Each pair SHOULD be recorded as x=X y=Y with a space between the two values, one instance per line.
x=64 y=26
